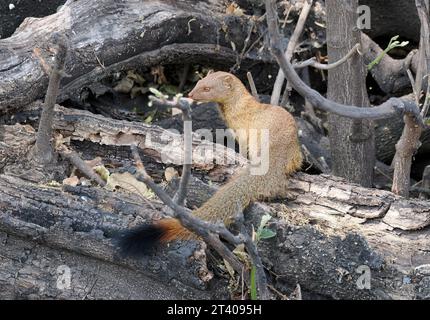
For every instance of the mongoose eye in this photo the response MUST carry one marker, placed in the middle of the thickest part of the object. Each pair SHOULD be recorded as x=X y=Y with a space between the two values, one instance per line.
x=206 y=89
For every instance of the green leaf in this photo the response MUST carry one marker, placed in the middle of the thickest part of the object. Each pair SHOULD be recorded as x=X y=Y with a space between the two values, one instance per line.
x=157 y=93
x=253 y=284
x=267 y=233
x=150 y=116
x=264 y=220
x=148 y=119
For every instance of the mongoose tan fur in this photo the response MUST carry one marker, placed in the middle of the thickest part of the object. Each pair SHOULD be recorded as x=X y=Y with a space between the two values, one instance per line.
x=242 y=113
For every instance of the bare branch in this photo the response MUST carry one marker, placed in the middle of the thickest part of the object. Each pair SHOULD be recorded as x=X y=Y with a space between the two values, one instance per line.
x=208 y=232
x=43 y=151
x=185 y=107
x=276 y=93
x=409 y=142
x=252 y=86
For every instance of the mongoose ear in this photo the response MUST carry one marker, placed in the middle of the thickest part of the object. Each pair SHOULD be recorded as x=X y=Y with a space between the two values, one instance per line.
x=228 y=81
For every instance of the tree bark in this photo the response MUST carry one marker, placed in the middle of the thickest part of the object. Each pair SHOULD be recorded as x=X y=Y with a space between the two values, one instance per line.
x=409 y=142
x=351 y=141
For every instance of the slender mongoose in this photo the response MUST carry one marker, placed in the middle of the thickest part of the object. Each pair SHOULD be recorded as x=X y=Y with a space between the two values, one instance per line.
x=243 y=114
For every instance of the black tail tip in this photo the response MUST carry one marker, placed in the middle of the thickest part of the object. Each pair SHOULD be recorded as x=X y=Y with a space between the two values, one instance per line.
x=139 y=241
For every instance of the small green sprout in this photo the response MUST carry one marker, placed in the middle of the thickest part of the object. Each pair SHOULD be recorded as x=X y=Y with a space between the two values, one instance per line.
x=262 y=233
x=393 y=44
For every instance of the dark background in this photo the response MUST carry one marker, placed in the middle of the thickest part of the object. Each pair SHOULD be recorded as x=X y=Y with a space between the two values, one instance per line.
x=11 y=19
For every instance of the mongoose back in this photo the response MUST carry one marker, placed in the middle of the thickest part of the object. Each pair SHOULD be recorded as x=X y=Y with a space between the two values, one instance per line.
x=242 y=113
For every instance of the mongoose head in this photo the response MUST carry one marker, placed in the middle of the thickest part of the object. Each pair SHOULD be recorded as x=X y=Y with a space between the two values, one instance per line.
x=217 y=87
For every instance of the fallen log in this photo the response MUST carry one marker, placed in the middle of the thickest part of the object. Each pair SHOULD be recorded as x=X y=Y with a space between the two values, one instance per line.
x=109 y=36
x=73 y=229
x=327 y=232
x=159 y=144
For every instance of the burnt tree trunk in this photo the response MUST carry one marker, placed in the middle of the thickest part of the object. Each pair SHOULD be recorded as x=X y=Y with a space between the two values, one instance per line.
x=352 y=142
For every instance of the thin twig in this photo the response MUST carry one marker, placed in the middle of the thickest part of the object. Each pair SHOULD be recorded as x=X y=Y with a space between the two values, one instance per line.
x=252 y=86
x=240 y=57
x=384 y=174
x=80 y=164
x=279 y=293
x=256 y=41
x=321 y=66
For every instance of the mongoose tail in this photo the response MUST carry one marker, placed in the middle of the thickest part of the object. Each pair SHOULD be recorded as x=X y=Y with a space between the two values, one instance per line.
x=223 y=206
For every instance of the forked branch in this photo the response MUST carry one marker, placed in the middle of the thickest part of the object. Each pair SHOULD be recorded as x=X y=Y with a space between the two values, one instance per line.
x=185 y=107
x=209 y=232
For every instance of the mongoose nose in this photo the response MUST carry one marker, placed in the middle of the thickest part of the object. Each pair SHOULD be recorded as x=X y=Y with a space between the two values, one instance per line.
x=190 y=95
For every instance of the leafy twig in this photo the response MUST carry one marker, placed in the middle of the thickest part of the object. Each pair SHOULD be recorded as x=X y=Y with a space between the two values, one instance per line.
x=391 y=45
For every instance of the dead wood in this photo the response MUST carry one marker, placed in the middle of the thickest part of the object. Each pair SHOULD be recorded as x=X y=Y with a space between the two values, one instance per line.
x=109 y=36
x=325 y=230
